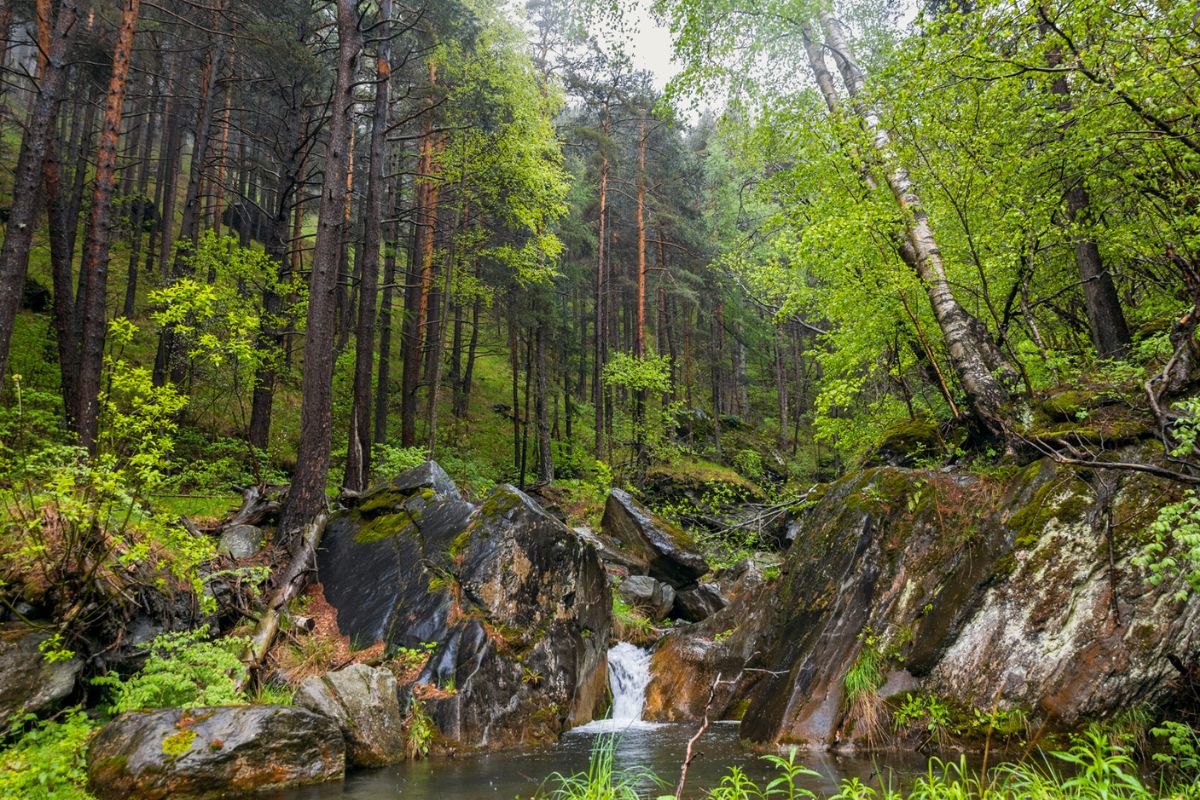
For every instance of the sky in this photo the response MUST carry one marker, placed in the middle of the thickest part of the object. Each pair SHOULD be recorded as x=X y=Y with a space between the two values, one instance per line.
x=649 y=46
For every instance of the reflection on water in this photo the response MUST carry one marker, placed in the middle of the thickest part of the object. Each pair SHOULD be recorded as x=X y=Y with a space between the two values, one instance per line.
x=519 y=773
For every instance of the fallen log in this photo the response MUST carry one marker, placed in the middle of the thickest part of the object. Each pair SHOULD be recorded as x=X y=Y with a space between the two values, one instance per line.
x=293 y=581
x=258 y=503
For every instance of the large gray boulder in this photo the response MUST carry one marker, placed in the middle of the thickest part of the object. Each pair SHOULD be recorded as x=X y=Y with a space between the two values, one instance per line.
x=28 y=682
x=994 y=592
x=383 y=563
x=240 y=541
x=365 y=703
x=212 y=752
x=699 y=603
x=516 y=603
x=666 y=551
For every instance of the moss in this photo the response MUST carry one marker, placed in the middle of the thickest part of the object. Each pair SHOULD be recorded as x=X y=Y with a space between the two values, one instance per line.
x=499 y=502
x=382 y=500
x=460 y=542
x=1064 y=498
x=698 y=475
x=1067 y=404
x=385 y=527
x=911 y=437
x=738 y=711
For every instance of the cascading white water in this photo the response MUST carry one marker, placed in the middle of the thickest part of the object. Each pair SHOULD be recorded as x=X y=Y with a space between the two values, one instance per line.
x=628 y=677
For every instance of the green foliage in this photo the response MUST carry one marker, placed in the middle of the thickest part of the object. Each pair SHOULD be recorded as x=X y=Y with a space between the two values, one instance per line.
x=1181 y=758
x=420 y=731
x=66 y=507
x=183 y=670
x=388 y=460
x=1173 y=551
x=412 y=659
x=48 y=761
x=925 y=710
x=629 y=624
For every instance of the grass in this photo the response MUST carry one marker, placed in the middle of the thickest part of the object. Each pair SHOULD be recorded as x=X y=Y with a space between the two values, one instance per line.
x=629 y=625
x=602 y=780
x=1093 y=768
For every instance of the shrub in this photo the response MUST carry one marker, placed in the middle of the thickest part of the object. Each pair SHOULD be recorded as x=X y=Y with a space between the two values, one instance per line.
x=184 y=670
x=48 y=761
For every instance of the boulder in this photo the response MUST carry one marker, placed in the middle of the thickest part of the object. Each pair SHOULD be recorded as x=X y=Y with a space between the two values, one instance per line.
x=653 y=598
x=667 y=552
x=240 y=541
x=985 y=591
x=383 y=563
x=212 y=752
x=700 y=603
x=904 y=442
x=517 y=605
x=527 y=658
x=365 y=703
x=28 y=682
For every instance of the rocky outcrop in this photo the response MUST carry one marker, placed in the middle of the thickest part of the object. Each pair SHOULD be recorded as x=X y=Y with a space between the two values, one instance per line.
x=664 y=550
x=28 y=682
x=365 y=703
x=516 y=603
x=978 y=590
x=699 y=603
x=383 y=563
x=653 y=598
x=212 y=752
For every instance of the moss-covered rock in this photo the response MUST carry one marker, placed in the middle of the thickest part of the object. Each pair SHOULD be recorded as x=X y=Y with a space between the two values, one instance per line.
x=907 y=440
x=1005 y=588
x=517 y=605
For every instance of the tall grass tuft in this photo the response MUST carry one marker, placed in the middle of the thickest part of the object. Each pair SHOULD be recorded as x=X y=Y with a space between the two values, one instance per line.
x=602 y=780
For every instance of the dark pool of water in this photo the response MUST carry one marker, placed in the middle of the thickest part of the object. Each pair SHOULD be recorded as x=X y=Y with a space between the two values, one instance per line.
x=520 y=773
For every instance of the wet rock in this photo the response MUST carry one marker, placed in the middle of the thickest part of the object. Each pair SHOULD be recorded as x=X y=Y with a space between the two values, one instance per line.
x=653 y=598
x=28 y=682
x=365 y=703
x=717 y=652
x=668 y=553
x=517 y=605
x=240 y=541
x=975 y=589
x=212 y=752
x=383 y=564
x=527 y=661
x=700 y=603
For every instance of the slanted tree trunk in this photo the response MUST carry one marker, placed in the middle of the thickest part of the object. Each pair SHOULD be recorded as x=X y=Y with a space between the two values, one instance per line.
x=14 y=254
x=91 y=318
x=974 y=356
x=306 y=498
x=358 y=457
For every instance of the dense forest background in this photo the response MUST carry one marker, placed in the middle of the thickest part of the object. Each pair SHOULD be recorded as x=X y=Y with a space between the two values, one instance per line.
x=306 y=245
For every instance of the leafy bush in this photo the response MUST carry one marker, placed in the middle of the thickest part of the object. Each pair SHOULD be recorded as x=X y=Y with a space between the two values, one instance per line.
x=48 y=761
x=184 y=670
x=389 y=460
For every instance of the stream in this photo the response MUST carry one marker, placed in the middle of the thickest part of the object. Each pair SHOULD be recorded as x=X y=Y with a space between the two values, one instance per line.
x=659 y=747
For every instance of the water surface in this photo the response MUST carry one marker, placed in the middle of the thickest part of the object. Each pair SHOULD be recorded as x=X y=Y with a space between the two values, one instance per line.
x=661 y=748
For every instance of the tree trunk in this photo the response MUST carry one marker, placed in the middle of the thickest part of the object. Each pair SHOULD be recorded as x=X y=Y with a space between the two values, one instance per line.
x=973 y=354
x=545 y=450
x=138 y=217
x=382 y=381
x=358 y=456
x=14 y=254
x=306 y=498
x=601 y=323
x=91 y=318
x=426 y=223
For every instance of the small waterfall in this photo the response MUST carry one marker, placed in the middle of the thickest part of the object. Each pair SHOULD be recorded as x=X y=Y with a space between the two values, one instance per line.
x=628 y=677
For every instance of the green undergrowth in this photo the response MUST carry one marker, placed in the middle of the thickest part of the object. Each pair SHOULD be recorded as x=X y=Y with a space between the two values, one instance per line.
x=1093 y=767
